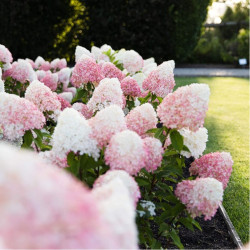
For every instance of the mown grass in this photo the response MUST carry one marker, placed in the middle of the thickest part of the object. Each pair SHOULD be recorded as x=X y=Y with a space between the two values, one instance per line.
x=227 y=122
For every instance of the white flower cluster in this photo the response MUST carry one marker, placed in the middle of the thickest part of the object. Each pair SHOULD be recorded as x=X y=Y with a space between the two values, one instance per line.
x=118 y=211
x=195 y=141
x=1 y=82
x=72 y=133
x=149 y=206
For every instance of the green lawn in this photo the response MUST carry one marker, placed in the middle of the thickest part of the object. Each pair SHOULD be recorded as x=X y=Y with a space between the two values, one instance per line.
x=227 y=122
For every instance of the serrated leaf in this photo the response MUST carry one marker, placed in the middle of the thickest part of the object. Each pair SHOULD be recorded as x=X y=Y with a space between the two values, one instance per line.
x=28 y=138
x=176 y=239
x=176 y=140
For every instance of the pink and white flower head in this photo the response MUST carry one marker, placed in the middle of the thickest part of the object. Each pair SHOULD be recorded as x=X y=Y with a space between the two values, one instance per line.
x=108 y=92
x=125 y=152
x=127 y=180
x=60 y=211
x=185 y=108
x=39 y=61
x=42 y=97
x=141 y=119
x=45 y=66
x=149 y=61
x=160 y=81
x=139 y=77
x=64 y=76
x=149 y=66
x=109 y=70
x=195 y=141
x=58 y=64
x=51 y=157
x=73 y=133
x=22 y=71
x=217 y=165
x=40 y=74
x=82 y=51
x=5 y=57
x=50 y=80
x=106 y=123
x=117 y=208
x=83 y=109
x=31 y=62
x=86 y=70
x=18 y=115
x=64 y=104
x=132 y=61
x=130 y=87
x=67 y=96
x=98 y=54
x=201 y=196
x=71 y=90
x=154 y=154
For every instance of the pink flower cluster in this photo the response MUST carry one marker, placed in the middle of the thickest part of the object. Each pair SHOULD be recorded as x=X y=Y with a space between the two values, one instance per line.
x=42 y=97
x=141 y=119
x=161 y=80
x=21 y=71
x=130 y=87
x=108 y=92
x=217 y=165
x=132 y=61
x=106 y=123
x=50 y=80
x=5 y=55
x=64 y=104
x=185 y=108
x=86 y=70
x=201 y=196
x=83 y=109
x=18 y=115
x=44 y=207
x=125 y=152
x=58 y=64
x=109 y=70
x=127 y=180
x=154 y=154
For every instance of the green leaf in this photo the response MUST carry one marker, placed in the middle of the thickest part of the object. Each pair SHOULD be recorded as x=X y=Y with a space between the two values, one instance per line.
x=27 y=138
x=158 y=133
x=152 y=130
x=185 y=222
x=169 y=153
x=160 y=99
x=185 y=148
x=176 y=239
x=176 y=140
x=141 y=181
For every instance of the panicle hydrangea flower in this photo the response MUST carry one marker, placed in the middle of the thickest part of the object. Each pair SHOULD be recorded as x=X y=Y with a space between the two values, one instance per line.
x=195 y=141
x=67 y=96
x=31 y=62
x=127 y=180
x=64 y=104
x=141 y=119
x=18 y=115
x=82 y=51
x=42 y=97
x=73 y=133
x=149 y=61
x=50 y=80
x=58 y=64
x=109 y=70
x=51 y=157
x=64 y=76
x=147 y=69
x=185 y=108
x=117 y=208
x=71 y=90
x=83 y=109
x=154 y=154
x=42 y=206
x=108 y=92
x=22 y=71
x=125 y=152
x=40 y=74
x=132 y=61
x=45 y=66
x=106 y=123
x=130 y=87
x=98 y=54
x=86 y=70
x=39 y=61
x=161 y=80
x=139 y=77
x=5 y=55
x=1 y=86
x=216 y=165
x=201 y=196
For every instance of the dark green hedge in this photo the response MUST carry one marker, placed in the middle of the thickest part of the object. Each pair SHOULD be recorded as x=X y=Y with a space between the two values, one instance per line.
x=165 y=29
